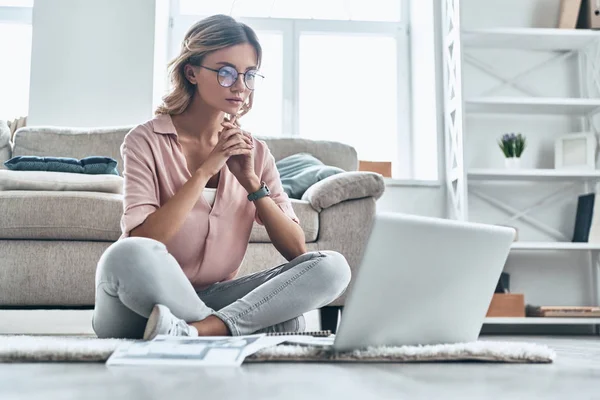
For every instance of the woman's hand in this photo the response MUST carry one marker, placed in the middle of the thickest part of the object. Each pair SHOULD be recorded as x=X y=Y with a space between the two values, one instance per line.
x=231 y=143
x=241 y=165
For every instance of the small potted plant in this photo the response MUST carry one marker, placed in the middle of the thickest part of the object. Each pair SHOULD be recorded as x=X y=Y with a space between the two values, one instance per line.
x=512 y=146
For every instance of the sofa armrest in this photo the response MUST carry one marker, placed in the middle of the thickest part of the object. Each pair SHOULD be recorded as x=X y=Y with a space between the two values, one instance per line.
x=346 y=228
x=5 y=146
x=344 y=186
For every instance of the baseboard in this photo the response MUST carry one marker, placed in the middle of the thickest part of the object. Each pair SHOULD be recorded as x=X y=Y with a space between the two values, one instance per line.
x=73 y=322
x=46 y=322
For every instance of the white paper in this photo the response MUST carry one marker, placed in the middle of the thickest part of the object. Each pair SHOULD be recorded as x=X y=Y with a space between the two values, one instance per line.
x=184 y=350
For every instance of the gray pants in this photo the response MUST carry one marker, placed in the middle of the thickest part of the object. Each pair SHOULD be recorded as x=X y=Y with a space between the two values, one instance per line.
x=136 y=273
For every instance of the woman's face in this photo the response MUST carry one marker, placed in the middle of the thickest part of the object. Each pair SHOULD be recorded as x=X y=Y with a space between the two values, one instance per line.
x=240 y=58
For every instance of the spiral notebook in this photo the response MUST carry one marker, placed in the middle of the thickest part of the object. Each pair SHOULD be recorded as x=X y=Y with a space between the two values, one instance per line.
x=308 y=333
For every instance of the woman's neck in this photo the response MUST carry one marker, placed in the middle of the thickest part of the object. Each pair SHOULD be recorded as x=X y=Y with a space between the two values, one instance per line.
x=200 y=121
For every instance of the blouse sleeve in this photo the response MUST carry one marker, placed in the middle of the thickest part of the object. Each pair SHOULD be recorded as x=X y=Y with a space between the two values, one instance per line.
x=140 y=190
x=270 y=176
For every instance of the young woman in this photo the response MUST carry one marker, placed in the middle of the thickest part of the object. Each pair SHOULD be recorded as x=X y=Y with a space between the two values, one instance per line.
x=194 y=184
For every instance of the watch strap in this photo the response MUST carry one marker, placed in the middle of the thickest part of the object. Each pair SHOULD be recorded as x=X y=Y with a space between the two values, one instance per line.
x=260 y=193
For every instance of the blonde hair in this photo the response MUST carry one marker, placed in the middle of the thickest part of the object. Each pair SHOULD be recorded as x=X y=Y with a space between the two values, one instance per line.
x=205 y=36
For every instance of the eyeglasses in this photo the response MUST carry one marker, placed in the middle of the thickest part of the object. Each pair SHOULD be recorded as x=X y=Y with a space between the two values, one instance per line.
x=227 y=76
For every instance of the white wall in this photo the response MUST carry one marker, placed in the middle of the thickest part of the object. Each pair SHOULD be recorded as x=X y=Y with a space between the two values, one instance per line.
x=92 y=62
x=161 y=51
x=551 y=278
x=425 y=201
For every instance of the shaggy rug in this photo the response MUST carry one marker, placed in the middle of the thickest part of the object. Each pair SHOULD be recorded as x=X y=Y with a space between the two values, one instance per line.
x=20 y=348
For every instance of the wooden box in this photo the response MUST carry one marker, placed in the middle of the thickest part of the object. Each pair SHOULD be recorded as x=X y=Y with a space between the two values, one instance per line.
x=381 y=167
x=569 y=13
x=507 y=305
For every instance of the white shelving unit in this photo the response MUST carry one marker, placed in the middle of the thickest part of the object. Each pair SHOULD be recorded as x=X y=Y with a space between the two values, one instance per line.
x=536 y=39
x=524 y=245
x=532 y=105
x=476 y=174
x=541 y=321
x=564 y=44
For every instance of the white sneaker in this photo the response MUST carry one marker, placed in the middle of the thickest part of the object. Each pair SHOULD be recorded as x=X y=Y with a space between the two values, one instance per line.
x=162 y=322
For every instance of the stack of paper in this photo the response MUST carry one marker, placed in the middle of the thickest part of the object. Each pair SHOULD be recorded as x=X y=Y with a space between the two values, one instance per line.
x=184 y=350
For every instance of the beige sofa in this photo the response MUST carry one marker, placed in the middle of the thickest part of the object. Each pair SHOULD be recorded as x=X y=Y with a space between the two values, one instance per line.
x=51 y=240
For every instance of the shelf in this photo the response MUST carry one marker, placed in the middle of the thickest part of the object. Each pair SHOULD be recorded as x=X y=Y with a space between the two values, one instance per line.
x=554 y=246
x=543 y=39
x=542 y=321
x=532 y=105
x=548 y=174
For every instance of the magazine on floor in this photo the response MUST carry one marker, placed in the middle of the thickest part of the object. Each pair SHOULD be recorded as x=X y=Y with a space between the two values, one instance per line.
x=185 y=350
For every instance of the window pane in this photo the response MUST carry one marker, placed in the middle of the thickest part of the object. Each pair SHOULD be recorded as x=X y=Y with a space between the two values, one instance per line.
x=16 y=3
x=203 y=7
x=358 y=10
x=252 y=8
x=14 y=74
x=291 y=9
x=348 y=92
x=375 y=10
x=266 y=116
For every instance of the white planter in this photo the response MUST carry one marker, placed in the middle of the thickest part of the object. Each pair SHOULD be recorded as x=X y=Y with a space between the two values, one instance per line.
x=512 y=162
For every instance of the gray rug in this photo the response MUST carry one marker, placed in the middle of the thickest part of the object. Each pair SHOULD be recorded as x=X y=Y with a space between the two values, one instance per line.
x=20 y=348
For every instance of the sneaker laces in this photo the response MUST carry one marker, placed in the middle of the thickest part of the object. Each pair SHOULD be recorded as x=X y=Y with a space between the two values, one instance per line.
x=179 y=328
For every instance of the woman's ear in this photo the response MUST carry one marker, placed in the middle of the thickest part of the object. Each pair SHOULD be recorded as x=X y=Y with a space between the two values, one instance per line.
x=190 y=74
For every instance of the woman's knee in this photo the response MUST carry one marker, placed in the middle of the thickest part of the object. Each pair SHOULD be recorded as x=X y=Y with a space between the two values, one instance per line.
x=334 y=268
x=125 y=256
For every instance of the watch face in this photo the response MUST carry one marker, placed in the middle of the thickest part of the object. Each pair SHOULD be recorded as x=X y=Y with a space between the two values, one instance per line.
x=264 y=185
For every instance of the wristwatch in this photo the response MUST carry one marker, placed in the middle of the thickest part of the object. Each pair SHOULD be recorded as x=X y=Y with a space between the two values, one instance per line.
x=260 y=193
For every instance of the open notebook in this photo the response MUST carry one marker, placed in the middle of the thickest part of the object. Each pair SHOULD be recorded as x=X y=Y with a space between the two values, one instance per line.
x=308 y=333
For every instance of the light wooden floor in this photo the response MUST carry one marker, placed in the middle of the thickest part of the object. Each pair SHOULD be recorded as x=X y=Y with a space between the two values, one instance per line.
x=574 y=375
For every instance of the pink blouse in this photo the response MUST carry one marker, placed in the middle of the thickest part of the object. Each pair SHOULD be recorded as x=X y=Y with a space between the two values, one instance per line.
x=211 y=244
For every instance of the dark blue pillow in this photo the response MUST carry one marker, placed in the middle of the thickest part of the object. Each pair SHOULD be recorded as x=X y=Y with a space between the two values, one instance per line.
x=89 y=165
x=300 y=171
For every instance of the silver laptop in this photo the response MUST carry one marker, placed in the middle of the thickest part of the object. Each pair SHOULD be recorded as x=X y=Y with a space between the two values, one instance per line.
x=423 y=281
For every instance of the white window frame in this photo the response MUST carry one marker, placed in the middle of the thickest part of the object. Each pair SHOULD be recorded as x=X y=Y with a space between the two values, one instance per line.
x=291 y=29
x=17 y=15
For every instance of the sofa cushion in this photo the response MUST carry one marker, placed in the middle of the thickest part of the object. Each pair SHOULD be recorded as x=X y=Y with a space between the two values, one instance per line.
x=93 y=165
x=46 y=180
x=60 y=215
x=46 y=141
x=67 y=215
x=309 y=221
x=330 y=153
x=49 y=272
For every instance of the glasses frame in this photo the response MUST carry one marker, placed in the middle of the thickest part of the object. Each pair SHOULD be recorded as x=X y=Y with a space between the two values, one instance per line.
x=236 y=77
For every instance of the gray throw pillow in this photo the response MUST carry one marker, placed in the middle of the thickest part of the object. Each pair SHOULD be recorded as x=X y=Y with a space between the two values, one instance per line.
x=88 y=165
x=300 y=171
